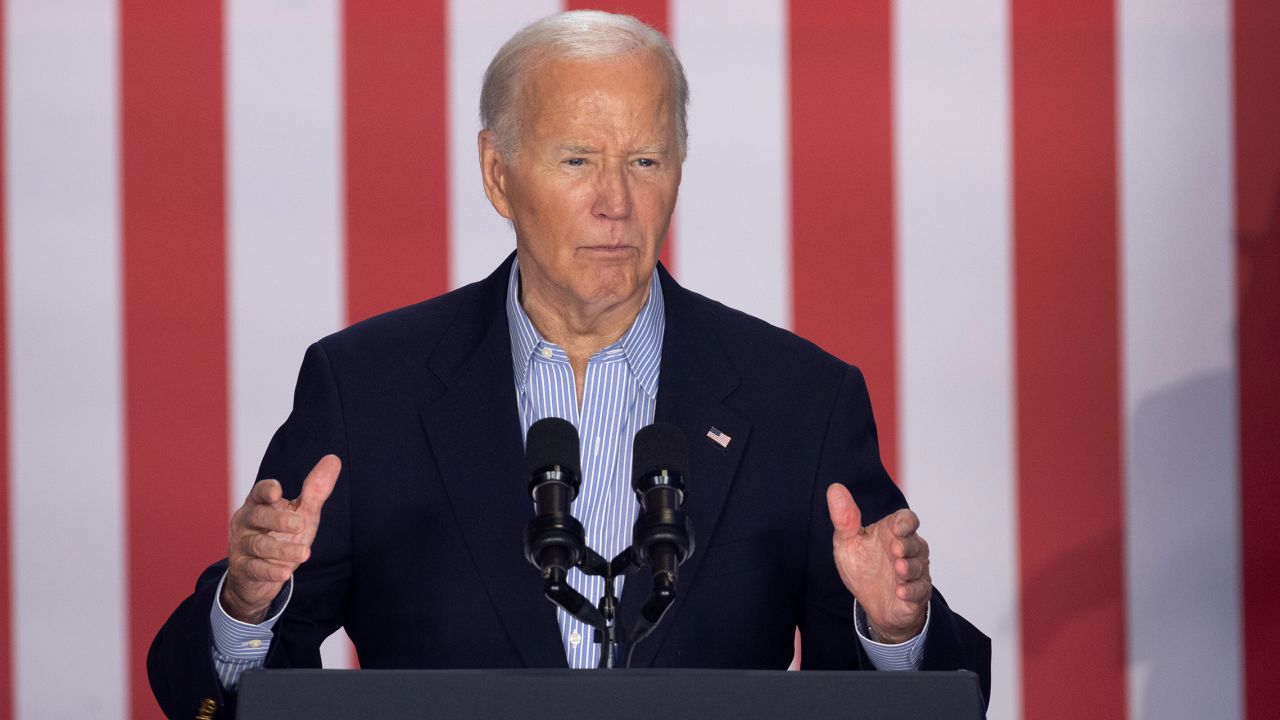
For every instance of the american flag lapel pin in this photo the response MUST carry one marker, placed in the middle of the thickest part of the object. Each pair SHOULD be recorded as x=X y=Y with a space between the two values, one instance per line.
x=719 y=438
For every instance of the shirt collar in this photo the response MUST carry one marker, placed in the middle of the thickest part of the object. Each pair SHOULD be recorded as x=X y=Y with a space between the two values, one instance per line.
x=641 y=343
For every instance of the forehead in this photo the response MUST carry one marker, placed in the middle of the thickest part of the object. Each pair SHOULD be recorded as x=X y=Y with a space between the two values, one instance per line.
x=629 y=93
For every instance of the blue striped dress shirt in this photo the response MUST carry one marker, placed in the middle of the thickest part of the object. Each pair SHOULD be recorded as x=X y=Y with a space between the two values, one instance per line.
x=618 y=398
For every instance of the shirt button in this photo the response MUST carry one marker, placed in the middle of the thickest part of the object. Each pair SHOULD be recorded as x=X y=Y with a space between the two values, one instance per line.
x=545 y=352
x=254 y=643
x=575 y=638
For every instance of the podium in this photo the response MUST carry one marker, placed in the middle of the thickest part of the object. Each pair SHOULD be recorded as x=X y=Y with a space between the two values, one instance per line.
x=648 y=694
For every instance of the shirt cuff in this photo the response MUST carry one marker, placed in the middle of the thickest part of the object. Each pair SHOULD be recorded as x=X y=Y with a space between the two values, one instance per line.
x=235 y=640
x=903 y=656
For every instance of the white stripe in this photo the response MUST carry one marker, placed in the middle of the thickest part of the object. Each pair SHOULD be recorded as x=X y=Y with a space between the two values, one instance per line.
x=1182 y=512
x=733 y=221
x=952 y=140
x=285 y=214
x=479 y=237
x=69 y=619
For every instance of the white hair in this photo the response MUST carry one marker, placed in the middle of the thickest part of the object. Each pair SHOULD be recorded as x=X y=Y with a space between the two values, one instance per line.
x=577 y=34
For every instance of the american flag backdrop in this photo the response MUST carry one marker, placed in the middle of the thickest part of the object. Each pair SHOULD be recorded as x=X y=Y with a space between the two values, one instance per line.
x=1048 y=231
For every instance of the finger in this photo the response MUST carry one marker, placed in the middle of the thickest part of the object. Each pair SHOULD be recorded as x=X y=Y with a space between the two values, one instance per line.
x=318 y=485
x=253 y=569
x=917 y=591
x=845 y=514
x=904 y=523
x=272 y=519
x=265 y=547
x=265 y=492
x=268 y=549
x=907 y=547
x=909 y=569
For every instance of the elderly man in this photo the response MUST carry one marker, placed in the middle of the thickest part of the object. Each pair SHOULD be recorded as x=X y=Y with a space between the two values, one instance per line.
x=407 y=532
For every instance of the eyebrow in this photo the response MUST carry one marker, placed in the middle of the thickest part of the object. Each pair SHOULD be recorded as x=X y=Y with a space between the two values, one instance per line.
x=587 y=150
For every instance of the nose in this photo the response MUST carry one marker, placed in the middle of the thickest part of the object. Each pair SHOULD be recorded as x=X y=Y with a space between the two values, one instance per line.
x=613 y=193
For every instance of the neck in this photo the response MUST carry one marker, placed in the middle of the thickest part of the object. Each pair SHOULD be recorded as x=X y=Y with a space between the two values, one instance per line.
x=580 y=331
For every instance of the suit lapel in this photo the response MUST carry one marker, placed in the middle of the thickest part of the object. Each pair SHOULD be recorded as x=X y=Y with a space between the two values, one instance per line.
x=474 y=432
x=695 y=379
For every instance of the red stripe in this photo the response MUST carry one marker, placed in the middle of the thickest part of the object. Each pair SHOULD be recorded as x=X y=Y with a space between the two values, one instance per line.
x=396 y=155
x=396 y=162
x=842 y=225
x=6 y=667
x=1257 y=67
x=174 y=309
x=655 y=13
x=1067 y=303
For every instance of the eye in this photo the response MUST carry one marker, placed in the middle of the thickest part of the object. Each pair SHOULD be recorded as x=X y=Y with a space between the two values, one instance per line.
x=575 y=162
x=647 y=162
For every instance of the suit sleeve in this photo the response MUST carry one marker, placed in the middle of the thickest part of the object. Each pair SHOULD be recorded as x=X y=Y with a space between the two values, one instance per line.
x=851 y=455
x=179 y=664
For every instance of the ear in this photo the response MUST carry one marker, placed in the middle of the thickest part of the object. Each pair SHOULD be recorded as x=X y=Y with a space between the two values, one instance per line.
x=493 y=172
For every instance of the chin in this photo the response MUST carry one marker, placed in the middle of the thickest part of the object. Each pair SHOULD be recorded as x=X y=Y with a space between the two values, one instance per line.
x=614 y=290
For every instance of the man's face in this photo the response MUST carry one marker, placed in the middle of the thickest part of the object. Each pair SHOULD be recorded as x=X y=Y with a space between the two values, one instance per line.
x=593 y=183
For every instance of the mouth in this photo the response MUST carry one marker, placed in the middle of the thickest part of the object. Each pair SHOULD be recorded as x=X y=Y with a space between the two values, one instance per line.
x=609 y=250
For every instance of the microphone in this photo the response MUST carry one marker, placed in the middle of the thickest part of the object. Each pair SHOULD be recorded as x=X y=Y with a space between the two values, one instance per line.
x=662 y=537
x=554 y=540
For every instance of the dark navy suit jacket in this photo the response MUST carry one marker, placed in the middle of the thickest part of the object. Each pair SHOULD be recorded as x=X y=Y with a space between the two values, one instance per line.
x=419 y=552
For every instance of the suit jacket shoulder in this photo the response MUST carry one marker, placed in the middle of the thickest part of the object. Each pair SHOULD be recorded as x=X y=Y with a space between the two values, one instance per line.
x=752 y=344
x=412 y=334
x=757 y=367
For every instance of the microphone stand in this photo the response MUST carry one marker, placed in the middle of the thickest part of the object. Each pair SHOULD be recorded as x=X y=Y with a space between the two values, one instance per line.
x=604 y=616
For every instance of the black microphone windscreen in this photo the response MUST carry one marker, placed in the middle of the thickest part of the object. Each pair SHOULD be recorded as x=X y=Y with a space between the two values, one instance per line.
x=552 y=441
x=660 y=446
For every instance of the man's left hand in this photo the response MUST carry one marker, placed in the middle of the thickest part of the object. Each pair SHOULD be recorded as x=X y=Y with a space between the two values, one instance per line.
x=885 y=566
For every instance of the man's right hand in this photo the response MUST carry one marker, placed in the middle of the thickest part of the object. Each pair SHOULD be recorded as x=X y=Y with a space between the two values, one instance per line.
x=270 y=538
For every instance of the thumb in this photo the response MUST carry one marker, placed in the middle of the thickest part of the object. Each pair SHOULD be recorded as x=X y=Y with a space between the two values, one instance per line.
x=845 y=514
x=319 y=485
